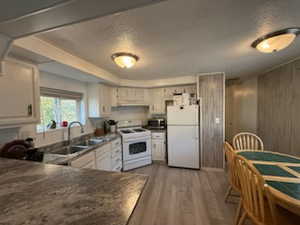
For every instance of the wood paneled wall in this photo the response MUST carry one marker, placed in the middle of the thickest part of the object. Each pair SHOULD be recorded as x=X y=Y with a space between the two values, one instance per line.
x=279 y=109
x=211 y=93
x=241 y=106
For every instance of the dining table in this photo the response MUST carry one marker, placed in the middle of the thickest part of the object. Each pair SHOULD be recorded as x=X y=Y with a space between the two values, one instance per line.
x=281 y=173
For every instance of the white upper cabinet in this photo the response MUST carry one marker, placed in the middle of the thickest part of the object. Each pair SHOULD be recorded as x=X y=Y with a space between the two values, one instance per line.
x=157 y=105
x=168 y=92
x=158 y=96
x=19 y=94
x=99 y=100
x=130 y=96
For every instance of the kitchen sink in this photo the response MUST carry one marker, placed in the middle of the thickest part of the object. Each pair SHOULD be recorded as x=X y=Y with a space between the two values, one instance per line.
x=80 y=146
x=73 y=149
x=77 y=148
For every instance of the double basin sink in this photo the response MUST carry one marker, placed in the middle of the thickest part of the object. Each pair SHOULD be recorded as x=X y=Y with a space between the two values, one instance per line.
x=82 y=146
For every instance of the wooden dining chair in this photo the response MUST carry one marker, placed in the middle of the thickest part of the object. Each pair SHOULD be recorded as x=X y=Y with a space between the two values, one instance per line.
x=247 y=141
x=257 y=203
x=232 y=173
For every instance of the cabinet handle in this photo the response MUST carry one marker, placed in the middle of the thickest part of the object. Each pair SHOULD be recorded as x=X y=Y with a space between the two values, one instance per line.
x=29 y=109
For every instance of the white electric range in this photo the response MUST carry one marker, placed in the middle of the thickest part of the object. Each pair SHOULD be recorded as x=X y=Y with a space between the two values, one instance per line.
x=136 y=142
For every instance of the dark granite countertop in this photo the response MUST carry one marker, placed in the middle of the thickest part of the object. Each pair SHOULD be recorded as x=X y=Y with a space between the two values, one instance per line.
x=158 y=130
x=35 y=193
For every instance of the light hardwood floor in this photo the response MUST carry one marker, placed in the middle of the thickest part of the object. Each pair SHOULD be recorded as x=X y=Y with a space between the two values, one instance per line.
x=175 y=196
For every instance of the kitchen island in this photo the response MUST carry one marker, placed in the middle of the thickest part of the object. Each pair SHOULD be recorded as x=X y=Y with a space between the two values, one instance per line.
x=36 y=193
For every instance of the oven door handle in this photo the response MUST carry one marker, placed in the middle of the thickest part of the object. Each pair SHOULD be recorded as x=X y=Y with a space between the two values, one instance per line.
x=138 y=139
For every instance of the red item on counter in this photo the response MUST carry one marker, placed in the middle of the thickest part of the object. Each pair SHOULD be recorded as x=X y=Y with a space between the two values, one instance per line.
x=64 y=123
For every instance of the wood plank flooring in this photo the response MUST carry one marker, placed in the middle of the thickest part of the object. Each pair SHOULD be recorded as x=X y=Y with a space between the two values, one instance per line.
x=175 y=196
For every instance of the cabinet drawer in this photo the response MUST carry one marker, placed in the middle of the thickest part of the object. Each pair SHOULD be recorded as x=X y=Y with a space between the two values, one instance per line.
x=102 y=150
x=116 y=143
x=116 y=152
x=158 y=135
x=84 y=160
x=104 y=162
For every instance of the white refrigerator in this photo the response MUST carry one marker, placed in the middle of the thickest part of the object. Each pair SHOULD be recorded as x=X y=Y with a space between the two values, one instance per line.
x=183 y=136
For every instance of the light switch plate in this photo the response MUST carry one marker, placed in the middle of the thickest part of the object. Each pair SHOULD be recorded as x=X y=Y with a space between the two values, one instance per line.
x=217 y=120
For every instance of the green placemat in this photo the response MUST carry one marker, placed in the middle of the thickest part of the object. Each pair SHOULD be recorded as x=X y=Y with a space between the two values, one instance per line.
x=296 y=168
x=273 y=170
x=268 y=156
x=290 y=189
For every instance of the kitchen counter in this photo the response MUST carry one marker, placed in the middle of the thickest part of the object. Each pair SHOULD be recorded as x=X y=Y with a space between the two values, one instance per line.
x=36 y=193
x=58 y=159
x=158 y=130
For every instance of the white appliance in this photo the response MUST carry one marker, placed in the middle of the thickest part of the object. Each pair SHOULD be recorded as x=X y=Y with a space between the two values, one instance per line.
x=183 y=136
x=136 y=142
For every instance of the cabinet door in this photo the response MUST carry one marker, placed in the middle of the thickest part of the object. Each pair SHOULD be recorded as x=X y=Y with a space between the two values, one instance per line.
x=161 y=150
x=139 y=95
x=19 y=93
x=104 y=162
x=157 y=101
x=90 y=165
x=191 y=89
x=158 y=150
x=108 y=100
x=105 y=98
x=85 y=161
x=123 y=94
x=168 y=92
x=154 y=150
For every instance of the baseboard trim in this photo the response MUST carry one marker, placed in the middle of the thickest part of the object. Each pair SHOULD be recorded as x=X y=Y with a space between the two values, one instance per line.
x=213 y=169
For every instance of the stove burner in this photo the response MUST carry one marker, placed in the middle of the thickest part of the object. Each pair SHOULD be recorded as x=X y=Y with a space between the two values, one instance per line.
x=139 y=130
x=126 y=131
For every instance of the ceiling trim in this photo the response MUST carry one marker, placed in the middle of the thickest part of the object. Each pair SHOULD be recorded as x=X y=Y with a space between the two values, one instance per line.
x=48 y=50
x=57 y=54
x=65 y=14
x=5 y=43
x=183 y=80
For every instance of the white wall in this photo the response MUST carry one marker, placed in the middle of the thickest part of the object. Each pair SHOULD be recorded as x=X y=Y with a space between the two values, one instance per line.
x=130 y=113
x=241 y=107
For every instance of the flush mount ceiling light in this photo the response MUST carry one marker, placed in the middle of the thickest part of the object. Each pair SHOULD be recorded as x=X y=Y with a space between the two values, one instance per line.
x=276 y=41
x=125 y=60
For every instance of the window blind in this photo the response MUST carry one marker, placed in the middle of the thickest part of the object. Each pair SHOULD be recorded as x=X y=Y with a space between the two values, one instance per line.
x=52 y=92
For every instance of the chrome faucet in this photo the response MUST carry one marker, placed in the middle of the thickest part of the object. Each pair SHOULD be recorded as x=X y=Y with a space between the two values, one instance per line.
x=69 y=130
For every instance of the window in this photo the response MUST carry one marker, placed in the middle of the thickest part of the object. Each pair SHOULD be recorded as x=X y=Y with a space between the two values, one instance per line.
x=59 y=106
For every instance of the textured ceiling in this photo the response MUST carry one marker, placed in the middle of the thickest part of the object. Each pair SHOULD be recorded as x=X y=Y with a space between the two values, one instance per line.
x=184 y=37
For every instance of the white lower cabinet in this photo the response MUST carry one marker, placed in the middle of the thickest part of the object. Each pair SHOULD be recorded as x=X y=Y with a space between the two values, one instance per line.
x=104 y=162
x=158 y=146
x=107 y=157
x=103 y=158
x=85 y=161
x=116 y=156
